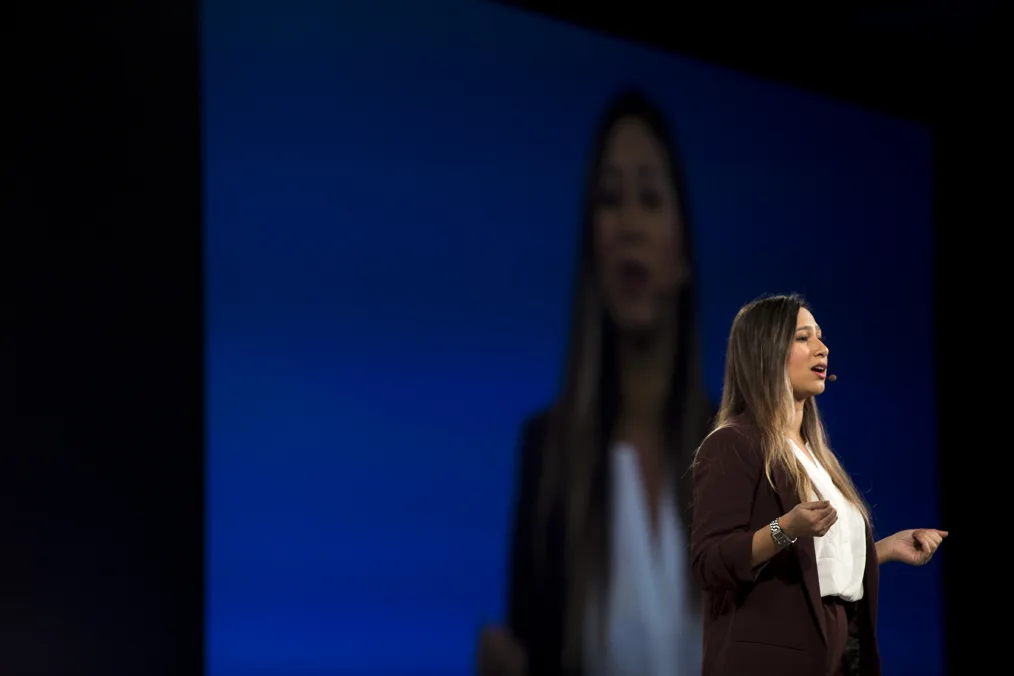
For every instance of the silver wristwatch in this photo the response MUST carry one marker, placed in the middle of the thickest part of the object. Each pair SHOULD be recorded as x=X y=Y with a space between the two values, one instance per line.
x=779 y=536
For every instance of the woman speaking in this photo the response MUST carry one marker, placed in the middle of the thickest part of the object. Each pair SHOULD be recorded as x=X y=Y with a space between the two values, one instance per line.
x=781 y=539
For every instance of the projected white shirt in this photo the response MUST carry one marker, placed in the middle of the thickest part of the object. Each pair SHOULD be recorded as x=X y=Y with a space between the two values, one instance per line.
x=648 y=631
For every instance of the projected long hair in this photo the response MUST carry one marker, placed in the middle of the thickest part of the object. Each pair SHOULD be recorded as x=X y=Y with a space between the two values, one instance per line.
x=575 y=477
x=757 y=384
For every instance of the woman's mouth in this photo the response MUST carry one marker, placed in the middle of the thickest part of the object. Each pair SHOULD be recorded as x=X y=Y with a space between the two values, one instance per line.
x=633 y=276
x=820 y=370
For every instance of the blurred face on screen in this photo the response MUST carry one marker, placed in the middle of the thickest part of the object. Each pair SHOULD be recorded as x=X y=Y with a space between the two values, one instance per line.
x=807 y=367
x=637 y=228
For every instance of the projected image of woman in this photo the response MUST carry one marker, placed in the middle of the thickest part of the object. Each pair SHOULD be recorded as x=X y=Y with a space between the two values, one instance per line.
x=599 y=569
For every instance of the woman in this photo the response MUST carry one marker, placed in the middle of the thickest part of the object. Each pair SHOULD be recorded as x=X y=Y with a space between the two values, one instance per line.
x=599 y=571
x=782 y=543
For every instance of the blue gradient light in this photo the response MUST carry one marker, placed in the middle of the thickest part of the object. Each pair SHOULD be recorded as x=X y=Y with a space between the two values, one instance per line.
x=392 y=193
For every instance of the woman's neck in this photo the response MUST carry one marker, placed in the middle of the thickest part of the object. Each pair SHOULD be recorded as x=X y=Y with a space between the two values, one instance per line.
x=645 y=374
x=796 y=426
x=645 y=370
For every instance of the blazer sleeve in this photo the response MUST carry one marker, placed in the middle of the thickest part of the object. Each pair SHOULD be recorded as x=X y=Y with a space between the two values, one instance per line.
x=726 y=474
x=522 y=611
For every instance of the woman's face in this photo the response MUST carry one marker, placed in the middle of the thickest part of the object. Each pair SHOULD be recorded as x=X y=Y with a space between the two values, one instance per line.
x=807 y=366
x=637 y=228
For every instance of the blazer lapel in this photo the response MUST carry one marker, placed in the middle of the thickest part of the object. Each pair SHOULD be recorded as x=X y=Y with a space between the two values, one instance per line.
x=869 y=656
x=803 y=549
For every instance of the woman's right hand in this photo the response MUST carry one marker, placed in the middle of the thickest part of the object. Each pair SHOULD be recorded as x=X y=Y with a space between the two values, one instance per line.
x=809 y=519
x=500 y=654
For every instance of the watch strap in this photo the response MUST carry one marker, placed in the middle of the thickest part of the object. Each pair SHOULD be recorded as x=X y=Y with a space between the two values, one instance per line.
x=779 y=536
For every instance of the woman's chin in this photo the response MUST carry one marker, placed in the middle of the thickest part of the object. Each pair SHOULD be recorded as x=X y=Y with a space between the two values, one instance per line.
x=811 y=390
x=636 y=324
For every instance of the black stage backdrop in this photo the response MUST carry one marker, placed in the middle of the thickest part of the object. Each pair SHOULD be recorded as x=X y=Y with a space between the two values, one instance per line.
x=101 y=547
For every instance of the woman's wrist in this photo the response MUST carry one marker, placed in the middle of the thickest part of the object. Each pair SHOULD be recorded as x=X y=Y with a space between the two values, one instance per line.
x=785 y=523
x=883 y=551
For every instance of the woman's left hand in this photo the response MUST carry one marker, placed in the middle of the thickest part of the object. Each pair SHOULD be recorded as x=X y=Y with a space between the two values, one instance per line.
x=914 y=547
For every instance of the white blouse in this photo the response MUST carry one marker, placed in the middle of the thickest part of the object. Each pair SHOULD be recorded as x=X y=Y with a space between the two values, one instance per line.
x=649 y=630
x=841 y=552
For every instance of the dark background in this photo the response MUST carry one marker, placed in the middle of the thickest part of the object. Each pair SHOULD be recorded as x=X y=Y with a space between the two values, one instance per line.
x=102 y=540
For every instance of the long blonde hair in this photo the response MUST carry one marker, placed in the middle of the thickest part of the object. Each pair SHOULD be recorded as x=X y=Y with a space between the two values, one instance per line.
x=756 y=384
x=575 y=476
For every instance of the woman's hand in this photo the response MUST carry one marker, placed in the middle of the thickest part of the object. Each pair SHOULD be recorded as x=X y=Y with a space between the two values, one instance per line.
x=809 y=519
x=914 y=546
x=500 y=654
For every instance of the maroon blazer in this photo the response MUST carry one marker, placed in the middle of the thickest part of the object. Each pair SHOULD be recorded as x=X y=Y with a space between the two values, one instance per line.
x=767 y=620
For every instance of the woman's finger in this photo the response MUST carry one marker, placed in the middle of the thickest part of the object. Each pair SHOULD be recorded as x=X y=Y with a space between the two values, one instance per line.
x=829 y=521
x=927 y=549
